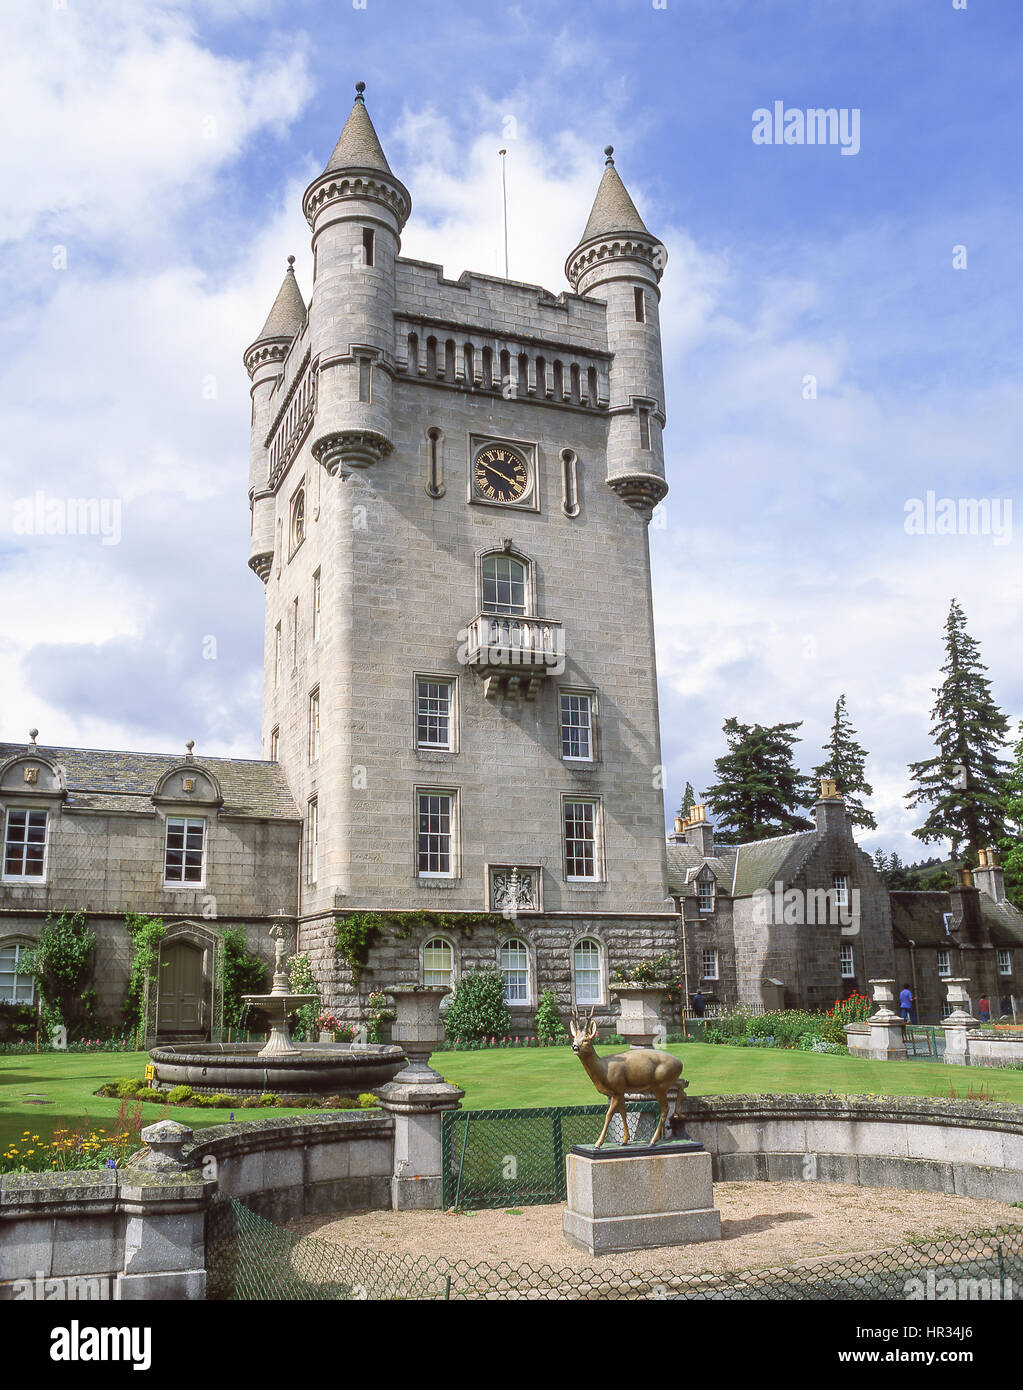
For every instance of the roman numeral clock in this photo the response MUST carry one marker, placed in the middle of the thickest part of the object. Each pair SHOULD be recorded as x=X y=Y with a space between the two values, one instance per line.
x=503 y=474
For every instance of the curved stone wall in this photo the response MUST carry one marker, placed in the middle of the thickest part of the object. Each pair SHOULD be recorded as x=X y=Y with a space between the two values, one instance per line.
x=966 y=1148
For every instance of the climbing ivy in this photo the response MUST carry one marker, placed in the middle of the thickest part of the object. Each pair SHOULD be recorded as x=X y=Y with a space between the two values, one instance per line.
x=61 y=963
x=357 y=932
x=146 y=935
x=300 y=975
x=241 y=972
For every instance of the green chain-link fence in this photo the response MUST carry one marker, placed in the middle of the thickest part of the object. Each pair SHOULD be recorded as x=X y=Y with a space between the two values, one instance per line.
x=249 y=1258
x=514 y=1158
x=925 y=1043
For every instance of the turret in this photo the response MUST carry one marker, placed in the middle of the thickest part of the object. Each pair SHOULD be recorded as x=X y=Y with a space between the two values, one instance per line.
x=264 y=362
x=617 y=260
x=357 y=210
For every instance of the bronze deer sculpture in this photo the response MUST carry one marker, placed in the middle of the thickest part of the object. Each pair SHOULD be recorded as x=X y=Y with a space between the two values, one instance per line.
x=641 y=1069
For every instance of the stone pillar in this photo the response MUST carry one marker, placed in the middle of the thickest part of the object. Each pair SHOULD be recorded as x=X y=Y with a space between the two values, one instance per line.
x=887 y=1028
x=958 y=1023
x=640 y=1021
x=417 y=1099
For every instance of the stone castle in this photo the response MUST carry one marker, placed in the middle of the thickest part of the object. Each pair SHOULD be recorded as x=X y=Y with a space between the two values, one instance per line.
x=450 y=485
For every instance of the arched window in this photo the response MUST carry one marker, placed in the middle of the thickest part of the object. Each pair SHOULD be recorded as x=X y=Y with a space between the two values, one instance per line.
x=591 y=386
x=573 y=377
x=413 y=354
x=438 y=963
x=587 y=976
x=449 y=360
x=297 y=519
x=468 y=363
x=515 y=970
x=488 y=369
x=431 y=357
x=504 y=585
x=559 y=382
x=15 y=986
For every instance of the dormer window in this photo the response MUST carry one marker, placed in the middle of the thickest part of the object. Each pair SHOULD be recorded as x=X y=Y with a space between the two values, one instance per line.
x=705 y=894
x=185 y=851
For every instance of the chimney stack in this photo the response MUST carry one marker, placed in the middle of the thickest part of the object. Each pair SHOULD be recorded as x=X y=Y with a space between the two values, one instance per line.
x=989 y=877
x=830 y=811
x=965 y=904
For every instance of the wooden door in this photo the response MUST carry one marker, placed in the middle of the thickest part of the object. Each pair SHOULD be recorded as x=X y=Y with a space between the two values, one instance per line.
x=180 y=1006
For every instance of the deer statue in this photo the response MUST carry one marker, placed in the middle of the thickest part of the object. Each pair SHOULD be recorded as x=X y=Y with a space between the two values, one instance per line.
x=641 y=1069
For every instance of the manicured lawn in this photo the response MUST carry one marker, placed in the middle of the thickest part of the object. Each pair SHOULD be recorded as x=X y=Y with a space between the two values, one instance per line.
x=497 y=1079
x=512 y=1078
x=68 y=1081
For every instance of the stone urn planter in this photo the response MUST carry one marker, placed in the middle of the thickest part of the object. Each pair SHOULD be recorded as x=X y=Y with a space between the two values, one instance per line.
x=418 y=1029
x=640 y=1019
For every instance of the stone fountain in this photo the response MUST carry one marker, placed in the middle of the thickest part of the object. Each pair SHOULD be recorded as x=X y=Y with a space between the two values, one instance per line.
x=280 y=1067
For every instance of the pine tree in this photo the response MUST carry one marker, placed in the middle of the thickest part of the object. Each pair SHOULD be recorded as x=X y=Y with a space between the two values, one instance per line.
x=962 y=785
x=845 y=763
x=759 y=791
x=880 y=861
x=688 y=801
x=1011 y=844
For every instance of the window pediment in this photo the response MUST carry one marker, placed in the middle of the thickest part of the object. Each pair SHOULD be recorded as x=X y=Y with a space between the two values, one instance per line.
x=29 y=775
x=188 y=784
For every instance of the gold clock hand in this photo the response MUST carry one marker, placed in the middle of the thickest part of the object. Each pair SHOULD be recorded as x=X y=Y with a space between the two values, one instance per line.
x=510 y=481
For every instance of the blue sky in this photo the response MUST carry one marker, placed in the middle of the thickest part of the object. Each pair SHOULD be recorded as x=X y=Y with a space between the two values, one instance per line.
x=153 y=187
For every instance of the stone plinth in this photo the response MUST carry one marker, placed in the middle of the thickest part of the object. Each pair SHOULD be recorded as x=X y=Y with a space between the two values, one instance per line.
x=639 y=1201
x=640 y=1019
x=887 y=1040
x=958 y=1023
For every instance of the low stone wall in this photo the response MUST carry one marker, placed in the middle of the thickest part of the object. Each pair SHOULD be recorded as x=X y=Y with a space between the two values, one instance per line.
x=987 y=1049
x=301 y=1165
x=967 y=1148
x=99 y=1234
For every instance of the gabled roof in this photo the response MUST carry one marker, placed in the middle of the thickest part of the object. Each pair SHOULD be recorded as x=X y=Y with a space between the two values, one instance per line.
x=358 y=146
x=760 y=863
x=685 y=862
x=288 y=313
x=919 y=917
x=111 y=780
x=613 y=210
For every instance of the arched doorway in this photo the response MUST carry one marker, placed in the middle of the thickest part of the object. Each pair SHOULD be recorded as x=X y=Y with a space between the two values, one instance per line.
x=179 y=1009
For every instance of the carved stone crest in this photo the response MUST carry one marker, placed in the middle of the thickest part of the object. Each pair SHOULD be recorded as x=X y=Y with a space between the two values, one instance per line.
x=188 y=784
x=514 y=888
x=31 y=775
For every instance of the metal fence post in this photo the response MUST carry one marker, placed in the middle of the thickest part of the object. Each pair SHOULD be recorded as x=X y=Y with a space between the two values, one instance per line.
x=560 y=1184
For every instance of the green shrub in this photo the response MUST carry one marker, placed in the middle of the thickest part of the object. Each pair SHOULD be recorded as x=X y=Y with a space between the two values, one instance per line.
x=368 y=1101
x=478 y=1009
x=150 y=1093
x=549 y=1029
x=178 y=1094
x=202 y=1102
x=268 y=1098
x=252 y=1103
x=222 y=1101
x=128 y=1086
x=61 y=963
x=109 y=1088
x=241 y=973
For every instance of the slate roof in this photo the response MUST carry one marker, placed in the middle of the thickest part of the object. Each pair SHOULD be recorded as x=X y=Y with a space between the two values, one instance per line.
x=358 y=146
x=685 y=862
x=919 y=917
x=288 y=312
x=111 y=780
x=760 y=863
x=613 y=210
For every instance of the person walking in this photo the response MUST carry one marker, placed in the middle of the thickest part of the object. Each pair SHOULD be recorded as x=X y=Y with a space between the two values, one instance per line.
x=906 y=1005
x=984 y=1008
x=699 y=1003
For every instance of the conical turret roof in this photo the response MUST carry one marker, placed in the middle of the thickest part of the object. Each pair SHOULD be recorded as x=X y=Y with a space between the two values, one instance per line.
x=287 y=316
x=358 y=146
x=613 y=210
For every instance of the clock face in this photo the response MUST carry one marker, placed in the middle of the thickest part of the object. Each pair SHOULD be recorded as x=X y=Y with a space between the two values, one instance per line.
x=500 y=474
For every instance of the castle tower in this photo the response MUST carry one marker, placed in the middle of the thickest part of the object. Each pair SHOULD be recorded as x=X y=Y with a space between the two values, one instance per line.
x=617 y=260
x=459 y=676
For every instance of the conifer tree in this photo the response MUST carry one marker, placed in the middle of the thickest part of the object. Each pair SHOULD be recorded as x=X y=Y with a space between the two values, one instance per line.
x=845 y=762
x=962 y=783
x=688 y=802
x=1011 y=844
x=759 y=791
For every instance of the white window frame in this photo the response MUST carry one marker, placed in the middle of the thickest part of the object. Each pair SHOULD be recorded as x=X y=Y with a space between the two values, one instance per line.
x=312 y=838
x=277 y=656
x=429 y=969
x=519 y=969
x=314 y=724
x=498 y=609
x=295 y=542
x=19 y=945
x=1004 y=962
x=709 y=954
x=452 y=833
x=840 y=885
x=597 y=970
x=316 y=607
x=944 y=960
x=418 y=712
x=705 y=887
x=589 y=704
x=847 y=963
x=187 y=822
x=596 y=843
x=275 y=743
x=28 y=812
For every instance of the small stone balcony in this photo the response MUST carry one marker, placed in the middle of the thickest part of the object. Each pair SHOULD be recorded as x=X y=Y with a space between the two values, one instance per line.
x=513 y=655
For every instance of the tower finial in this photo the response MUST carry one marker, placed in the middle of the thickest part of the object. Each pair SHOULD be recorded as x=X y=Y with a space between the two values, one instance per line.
x=360 y=87
x=609 y=151
x=291 y=265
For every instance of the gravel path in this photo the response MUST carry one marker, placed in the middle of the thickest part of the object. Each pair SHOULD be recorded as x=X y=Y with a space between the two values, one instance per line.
x=763 y=1225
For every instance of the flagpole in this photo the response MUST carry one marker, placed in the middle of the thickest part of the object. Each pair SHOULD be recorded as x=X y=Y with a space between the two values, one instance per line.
x=504 y=200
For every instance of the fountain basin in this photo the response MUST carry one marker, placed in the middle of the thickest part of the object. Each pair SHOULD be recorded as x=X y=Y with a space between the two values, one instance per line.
x=240 y=1069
